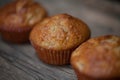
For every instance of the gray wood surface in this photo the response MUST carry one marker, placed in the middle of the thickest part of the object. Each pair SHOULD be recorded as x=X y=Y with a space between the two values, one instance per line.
x=19 y=61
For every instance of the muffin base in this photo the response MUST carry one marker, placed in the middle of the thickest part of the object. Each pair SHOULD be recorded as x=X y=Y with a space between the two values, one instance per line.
x=54 y=57
x=81 y=76
x=15 y=36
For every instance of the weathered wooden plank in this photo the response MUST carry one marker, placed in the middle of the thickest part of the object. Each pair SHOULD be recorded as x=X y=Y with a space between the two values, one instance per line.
x=34 y=67
x=102 y=18
x=10 y=72
x=110 y=7
x=99 y=23
x=19 y=61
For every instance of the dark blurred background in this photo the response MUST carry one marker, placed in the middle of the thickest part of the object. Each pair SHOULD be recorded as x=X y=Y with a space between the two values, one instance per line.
x=102 y=16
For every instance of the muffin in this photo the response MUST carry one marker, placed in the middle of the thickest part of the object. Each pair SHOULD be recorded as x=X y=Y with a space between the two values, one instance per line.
x=18 y=18
x=56 y=37
x=98 y=59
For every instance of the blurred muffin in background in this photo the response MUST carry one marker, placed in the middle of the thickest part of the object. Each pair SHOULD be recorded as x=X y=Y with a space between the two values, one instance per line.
x=98 y=59
x=18 y=18
x=56 y=37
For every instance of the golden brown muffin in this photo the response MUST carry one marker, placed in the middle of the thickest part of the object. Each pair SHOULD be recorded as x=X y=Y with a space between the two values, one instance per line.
x=98 y=59
x=18 y=18
x=57 y=37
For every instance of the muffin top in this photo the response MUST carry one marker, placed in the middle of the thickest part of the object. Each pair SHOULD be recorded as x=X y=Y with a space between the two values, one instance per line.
x=21 y=13
x=98 y=57
x=60 y=32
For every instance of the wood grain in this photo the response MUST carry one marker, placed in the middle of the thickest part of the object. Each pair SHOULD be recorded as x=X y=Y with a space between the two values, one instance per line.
x=19 y=61
x=15 y=61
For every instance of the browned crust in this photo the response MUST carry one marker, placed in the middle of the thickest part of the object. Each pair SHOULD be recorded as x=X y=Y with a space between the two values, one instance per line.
x=18 y=18
x=21 y=13
x=98 y=58
x=56 y=37
x=60 y=32
x=82 y=76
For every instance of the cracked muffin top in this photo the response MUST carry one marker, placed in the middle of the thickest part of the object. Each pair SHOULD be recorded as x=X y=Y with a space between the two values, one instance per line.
x=21 y=13
x=60 y=32
x=98 y=57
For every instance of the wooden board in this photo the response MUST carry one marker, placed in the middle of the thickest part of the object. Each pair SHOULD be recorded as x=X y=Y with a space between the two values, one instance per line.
x=19 y=61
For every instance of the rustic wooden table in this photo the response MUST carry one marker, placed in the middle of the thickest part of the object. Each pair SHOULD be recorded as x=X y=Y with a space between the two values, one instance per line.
x=19 y=61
